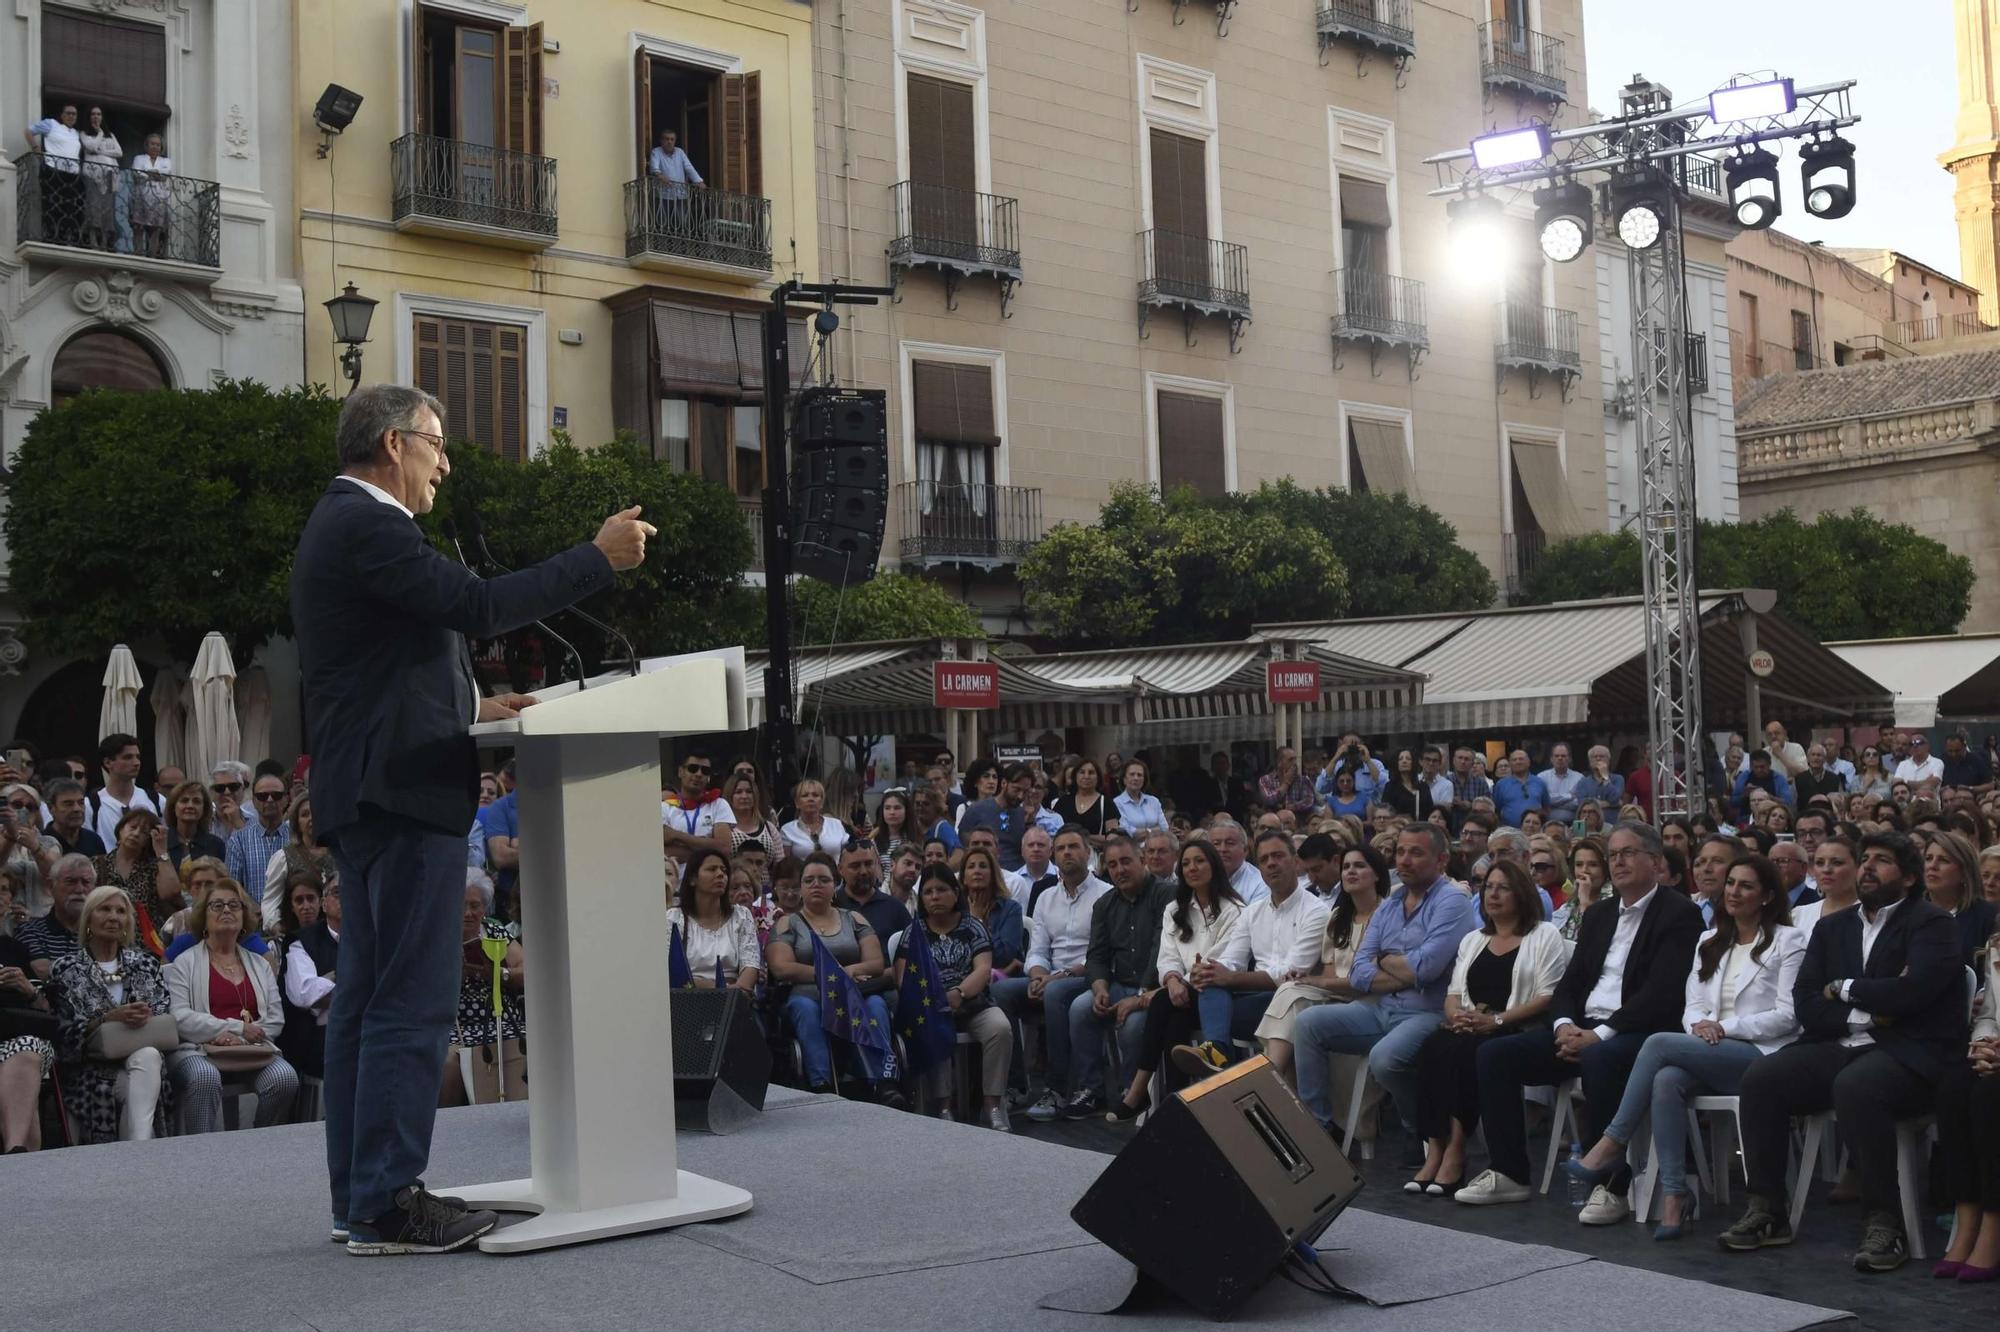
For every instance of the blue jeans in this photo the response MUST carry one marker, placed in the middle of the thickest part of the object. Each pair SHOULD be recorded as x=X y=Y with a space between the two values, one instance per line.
x=1672 y=1067
x=403 y=889
x=1391 y=1041
x=815 y=1046
x=1057 y=996
x=1231 y=1015
x=1086 y=1040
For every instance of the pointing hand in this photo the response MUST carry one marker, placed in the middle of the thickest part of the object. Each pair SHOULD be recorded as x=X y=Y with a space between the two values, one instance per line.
x=623 y=539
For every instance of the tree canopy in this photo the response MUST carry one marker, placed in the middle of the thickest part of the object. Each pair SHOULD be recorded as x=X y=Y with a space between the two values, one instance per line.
x=887 y=606
x=1840 y=576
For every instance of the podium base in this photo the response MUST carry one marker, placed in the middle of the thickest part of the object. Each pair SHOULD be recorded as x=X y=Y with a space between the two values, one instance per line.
x=700 y=1199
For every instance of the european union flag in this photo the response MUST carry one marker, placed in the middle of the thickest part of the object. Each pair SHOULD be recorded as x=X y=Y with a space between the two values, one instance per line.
x=721 y=977
x=923 y=1010
x=843 y=1011
x=679 y=974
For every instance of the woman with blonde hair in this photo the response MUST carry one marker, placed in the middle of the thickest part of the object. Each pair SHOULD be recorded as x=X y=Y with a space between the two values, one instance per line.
x=230 y=1012
x=110 y=983
x=745 y=794
x=1989 y=873
x=1952 y=882
x=988 y=902
x=814 y=829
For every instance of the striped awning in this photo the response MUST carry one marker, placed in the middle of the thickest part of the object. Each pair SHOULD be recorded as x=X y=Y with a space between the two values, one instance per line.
x=885 y=689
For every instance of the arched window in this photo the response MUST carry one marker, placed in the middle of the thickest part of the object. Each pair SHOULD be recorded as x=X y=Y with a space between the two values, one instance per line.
x=105 y=358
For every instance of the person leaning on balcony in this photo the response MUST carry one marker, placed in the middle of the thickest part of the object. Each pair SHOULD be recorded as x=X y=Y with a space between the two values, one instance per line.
x=61 y=147
x=101 y=154
x=149 y=202
x=668 y=165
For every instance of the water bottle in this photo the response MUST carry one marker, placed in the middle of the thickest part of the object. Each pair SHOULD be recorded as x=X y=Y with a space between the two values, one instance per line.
x=1579 y=1192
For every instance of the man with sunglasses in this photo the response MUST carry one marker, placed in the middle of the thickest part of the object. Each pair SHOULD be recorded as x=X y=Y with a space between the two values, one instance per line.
x=252 y=846
x=229 y=784
x=382 y=620
x=696 y=817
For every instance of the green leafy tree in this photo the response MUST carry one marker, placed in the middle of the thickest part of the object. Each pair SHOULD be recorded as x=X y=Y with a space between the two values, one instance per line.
x=1402 y=558
x=135 y=516
x=1178 y=569
x=1840 y=576
x=887 y=606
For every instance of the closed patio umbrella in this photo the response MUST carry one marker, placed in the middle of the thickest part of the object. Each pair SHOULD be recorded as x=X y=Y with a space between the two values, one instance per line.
x=213 y=734
x=119 y=713
x=170 y=691
x=253 y=714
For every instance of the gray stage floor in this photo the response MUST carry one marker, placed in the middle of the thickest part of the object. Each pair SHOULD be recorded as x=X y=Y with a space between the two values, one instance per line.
x=864 y=1217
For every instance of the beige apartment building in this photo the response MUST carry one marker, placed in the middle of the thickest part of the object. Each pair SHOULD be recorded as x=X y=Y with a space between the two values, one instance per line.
x=1191 y=243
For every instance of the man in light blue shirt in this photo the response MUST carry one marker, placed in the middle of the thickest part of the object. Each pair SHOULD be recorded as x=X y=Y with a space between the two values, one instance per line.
x=1402 y=967
x=1563 y=784
x=1369 y=774
x=669 y=166
x=1519 y=791
x=251 y=847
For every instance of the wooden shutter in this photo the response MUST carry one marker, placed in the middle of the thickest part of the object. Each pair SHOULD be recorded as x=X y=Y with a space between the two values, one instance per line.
x=642 y=81
x=420 y=66
x=427 y=338
x=456 y=381
x=942 y=136
x=953 y=403
x=479 y=372
x=524 y=89
x=485 y=430
x=90 y=58
x=510 y=387
x=1180 y=184
x=1191 y=443
x=742 y=148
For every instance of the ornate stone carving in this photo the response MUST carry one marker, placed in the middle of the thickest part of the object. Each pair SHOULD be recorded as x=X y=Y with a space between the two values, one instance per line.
x=113 y=6
x=117 y=298
x=236 y=131
x=13 y=650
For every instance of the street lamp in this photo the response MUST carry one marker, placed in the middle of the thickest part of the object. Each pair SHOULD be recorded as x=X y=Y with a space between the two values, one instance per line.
x=350 y=312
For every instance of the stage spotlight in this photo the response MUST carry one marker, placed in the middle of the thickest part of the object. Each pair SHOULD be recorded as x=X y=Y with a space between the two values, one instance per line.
x=1479 y=237
x=1751 y=101
x=1562 y=220
x=1641 y=205
x=1818 y=161
x=1751 y=177
x=1516 y=147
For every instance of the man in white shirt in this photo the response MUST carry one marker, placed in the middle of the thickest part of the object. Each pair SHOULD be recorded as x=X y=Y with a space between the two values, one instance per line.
x=1436 y=777
x=1922 y=767
x=118 y=756
x=1563 y=784
x=1787 y=756
x=1319 y=867
x=1037 y=873
x=1278 y=937
x=1058 y=945
x=61 y=146
x=696 y=816
x=1226 y=835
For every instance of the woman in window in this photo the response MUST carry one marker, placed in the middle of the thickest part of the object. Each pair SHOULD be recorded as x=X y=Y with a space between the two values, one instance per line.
x=101 y=154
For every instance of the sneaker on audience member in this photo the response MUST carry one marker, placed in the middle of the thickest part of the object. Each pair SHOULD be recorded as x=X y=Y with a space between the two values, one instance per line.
x=1048 y=1109
x=1490 y=1186
x=1083 y=1105
x=418 y=1223
x=1605 y=1208
x=996 y=1119
x=1203 y=1059
x=1883 y=1247
x=1760 y=1227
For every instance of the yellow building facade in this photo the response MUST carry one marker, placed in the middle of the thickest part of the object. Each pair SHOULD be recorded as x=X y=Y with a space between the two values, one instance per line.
x=498 y=193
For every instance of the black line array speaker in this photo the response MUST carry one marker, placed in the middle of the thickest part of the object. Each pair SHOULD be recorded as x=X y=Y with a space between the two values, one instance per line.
x=722 y=1067
x=840 y=482
x=1224 y=1181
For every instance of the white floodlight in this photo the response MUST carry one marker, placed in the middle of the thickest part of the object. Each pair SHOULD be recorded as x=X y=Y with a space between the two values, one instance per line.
x=1751 y=101
x=1508 y=148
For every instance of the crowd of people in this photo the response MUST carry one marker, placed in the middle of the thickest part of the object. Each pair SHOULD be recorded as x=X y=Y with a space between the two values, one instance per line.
x=1414 y=941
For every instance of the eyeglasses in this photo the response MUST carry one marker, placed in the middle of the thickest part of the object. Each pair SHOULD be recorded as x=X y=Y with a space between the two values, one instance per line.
x=226 y=788
x=1541 y=866
x=266 y=797
x=700 y=768
x=26 y=806
x=224 y=907
x=435 y=441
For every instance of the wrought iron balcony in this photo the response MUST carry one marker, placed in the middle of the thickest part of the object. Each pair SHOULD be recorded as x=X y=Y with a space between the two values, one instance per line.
x=1541 y=341
x=753 y=518
x=954 y=523
x=1372 y=25
x=1381 y=310
x=963 y=233
x=1196 y=276
x=696 y=228
x=1526 y=61
x=1520 y=552
x=446 y=188
x=1697 y=362
x=76 y=212
x=1223 y=9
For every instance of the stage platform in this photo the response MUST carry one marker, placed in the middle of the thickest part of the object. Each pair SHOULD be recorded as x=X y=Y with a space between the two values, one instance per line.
x=864 y=1217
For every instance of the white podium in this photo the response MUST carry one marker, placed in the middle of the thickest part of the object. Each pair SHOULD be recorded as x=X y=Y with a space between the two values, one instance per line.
x=593 y=918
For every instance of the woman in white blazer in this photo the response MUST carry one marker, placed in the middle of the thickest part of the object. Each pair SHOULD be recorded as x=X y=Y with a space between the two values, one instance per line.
x=224 y=995
x=1199 y=923
x=1505 y=976
x=1739 y=1009
x=1968 y=1106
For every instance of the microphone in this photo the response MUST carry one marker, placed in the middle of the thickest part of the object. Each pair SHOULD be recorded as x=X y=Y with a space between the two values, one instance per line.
x=450 y=529
x=607 y=629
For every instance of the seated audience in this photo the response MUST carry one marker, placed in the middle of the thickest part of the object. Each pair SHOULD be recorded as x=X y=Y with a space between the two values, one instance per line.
x=1738 y=1010
x=1626 y=980
x=1968 y=1114
x=1364 y=878
x=190 y=811
x=494 y=1045
x=988 y=902
x=964 y=959
x=312 y=952
x=202 y=875
x=714 y=932
x=1502 y=981
x=301 y=851
x=852 y=941
x=27 y=1031
x=52 y=936
x=138 y=863
x=1118 y=965
x=861 y=890
x=223 y=997
x=1878 y=1037
x=1058 y=949
x=106 y=981
x=1951 y=882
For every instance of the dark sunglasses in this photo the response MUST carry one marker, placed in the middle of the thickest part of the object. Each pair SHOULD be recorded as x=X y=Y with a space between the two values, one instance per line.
x=1541 y=866
x=701 y=768
x=226 y=788
x=265 y=797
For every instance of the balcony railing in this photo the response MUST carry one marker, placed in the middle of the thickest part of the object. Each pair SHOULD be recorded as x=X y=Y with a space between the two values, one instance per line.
x=1519 y=553
x=1962 y=325
x=1197 y=275
x=1702 y=175
x=1537 y=338
x=698 y=224
x=962 y=232
x=753 y=518
x=1379 y=307
x=955 y=523
x=1380 y=25
x=452 y=188
x=1697 y=362
x=117 y=213
x=1520 y=58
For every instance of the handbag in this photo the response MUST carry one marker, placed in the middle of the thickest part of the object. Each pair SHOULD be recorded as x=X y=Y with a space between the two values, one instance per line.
x=246 y=1058
x=114 y=1042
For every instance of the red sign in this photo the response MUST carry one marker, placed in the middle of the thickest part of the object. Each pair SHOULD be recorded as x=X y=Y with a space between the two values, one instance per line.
x=965 y=684
x=1291 y=681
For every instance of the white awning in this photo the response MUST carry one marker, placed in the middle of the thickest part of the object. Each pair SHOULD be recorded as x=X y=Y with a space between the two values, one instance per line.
x=1954 y=675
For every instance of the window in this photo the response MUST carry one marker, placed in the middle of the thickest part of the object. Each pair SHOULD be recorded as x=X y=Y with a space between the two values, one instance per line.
x=1542 y=507
x=1180 y=208
x=956 y=435
x=1802 y=340
x=476 y=83
x=107 y=359
x=944 y=163
x=478 y=371
x=716 y=119
x=1752 y=342
x=711 y=385
x=1192 y=435
x=1378 y=453
x=116 y=64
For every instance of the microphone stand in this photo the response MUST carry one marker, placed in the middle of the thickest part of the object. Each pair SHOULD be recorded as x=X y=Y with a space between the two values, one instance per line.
x=479 y=537
x=631 y=661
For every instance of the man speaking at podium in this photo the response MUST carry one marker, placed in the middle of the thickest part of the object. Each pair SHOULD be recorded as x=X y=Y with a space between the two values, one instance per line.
x=381 y=620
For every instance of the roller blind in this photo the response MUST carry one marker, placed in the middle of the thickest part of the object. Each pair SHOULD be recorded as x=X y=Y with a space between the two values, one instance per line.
x=1539 y=466
x=1191 y=443
x=1385 y=462
x=954 y=403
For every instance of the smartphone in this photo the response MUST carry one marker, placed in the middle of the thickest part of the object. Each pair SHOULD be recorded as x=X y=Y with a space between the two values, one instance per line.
x=1786 y=837
x=20 y=759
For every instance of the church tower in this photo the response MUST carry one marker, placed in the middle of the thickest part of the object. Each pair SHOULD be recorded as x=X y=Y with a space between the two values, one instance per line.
x=1975 y=158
